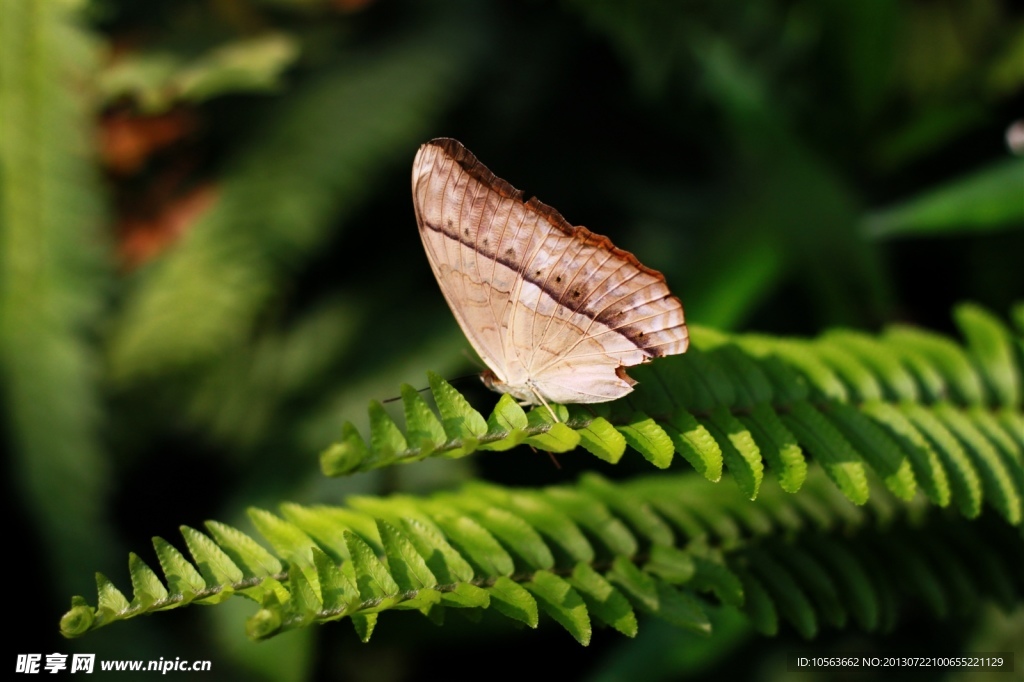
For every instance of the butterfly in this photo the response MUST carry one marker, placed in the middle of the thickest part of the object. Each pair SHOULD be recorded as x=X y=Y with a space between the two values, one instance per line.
x=555 y=311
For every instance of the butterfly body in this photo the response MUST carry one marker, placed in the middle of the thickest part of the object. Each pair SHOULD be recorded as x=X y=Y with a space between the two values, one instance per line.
x=555 y=311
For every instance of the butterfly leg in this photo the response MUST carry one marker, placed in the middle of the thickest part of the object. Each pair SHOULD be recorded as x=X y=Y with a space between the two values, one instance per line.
x=544 y=403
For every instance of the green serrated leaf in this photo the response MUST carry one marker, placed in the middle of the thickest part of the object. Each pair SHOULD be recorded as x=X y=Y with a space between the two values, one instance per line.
x=997 y=481
x=896 y=379
x=991 y=345
x=513 y=600
x=182 y=577
x=466 y=595
x=949 y=359
x=860 y=381
x=518 y=536
x=146 y=586
x=681 y=609
x=645 y=436
x=820 y=377
x=327 y=525
x=423 y=429
x=337 y=593
x=345 y=456
x=364 y=624
x=459 y=419
x=712 y=379
x=111 y=602
x=679 y=515
x=639 y=586
x=560 y=601
x=1013 y=423
x=964 y=482
x=595 y=518
x=695 y=443
x=788 y=384
x=386 y=439
x=1011 y=454
x=305 y=602
x=739 y=451
x=713 y=576
x=405 y=564
x=878 y=449
x=928 y=469
x=603 y=601
x=507 y=418
x=629 y=507
x=557 y=438
x=372 y=577
x=289 y=541
x=479 y=547
x=544 y=517
x=778 y=446
x=670 y=564
x=834 y=452
x=507 y=415
x=214 y=564
x=252 y=558
x=753 y=385
x=601 y=439
x=441 y=558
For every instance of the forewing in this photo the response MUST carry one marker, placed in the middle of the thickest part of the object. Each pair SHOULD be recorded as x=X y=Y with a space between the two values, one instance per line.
x=539 y=299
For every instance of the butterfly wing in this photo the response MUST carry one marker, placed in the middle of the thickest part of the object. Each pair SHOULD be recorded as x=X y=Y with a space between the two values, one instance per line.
x=553 y=309
x=456 y=215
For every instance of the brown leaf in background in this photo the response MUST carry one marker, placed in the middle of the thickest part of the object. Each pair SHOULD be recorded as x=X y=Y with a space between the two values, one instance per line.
x=142 y=238
x=127 y=140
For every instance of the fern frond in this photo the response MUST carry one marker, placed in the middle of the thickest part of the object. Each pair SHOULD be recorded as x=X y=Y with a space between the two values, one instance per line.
x=913 y=408
x=53 y=276
x=588 y=555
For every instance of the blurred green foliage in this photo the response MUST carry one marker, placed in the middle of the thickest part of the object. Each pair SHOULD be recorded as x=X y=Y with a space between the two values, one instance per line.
x=208 y=258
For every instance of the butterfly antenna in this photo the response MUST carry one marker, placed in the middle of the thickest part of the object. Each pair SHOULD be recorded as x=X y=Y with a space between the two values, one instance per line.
x=427 y=388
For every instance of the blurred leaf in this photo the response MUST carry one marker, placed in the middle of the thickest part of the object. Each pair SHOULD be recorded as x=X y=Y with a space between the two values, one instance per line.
x=990 y=199
x=929 y=129
x=158 y=80
x=1007 y=74
x=792 y=193
x=941 y=42
x=51 y=281
x=739 y=273
x=312 y=163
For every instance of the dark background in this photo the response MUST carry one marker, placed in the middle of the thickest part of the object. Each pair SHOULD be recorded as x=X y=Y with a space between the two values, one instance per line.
x=230 y=267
